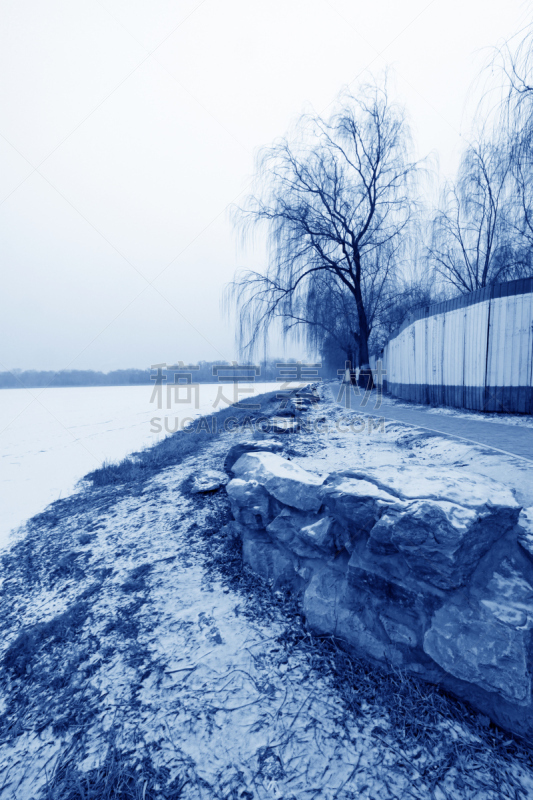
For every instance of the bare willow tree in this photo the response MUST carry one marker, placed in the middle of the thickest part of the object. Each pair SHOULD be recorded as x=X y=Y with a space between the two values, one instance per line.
x=514 y=60
x=469 y=229
x=327 y=312
x=515 y=126
x=335 y=201
x=409 y=295
x=483 y=231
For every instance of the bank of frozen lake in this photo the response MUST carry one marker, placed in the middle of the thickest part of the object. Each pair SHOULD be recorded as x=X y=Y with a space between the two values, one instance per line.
x=139 y=653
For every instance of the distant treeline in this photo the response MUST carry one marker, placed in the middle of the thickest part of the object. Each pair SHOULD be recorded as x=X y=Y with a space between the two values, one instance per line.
x=33 y=379
x=203 y=372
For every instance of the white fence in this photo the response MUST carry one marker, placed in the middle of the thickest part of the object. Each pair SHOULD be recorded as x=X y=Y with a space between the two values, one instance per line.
x=474 y=352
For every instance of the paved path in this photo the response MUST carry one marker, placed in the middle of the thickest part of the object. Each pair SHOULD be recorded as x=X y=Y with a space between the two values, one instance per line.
x=515 y=440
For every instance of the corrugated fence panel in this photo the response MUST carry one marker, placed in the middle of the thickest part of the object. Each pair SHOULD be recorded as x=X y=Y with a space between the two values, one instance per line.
x=436 y=326
x=475 y=351
x=420 y=360
x=530 y=350
x=411 y=350
x=512 y=346
x=397 y=363
x=476 y=325
x=525 y=348
x=494 y=380
x=454 y=358
x=448 y=356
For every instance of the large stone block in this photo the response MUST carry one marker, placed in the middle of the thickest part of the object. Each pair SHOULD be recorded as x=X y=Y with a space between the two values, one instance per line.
x=284 y=480
x=307 y=535
x=329 y=608
x=252 y=446
x=442 y=542
x=471 y=644
x=250 y=503
x=525 y=528
x=208 y=481
x=356 y=503
x=321 y=601
x=273 y=563
x=402 y=631
x=419 y=569
x=508 y=595
x=390 y=580
x=412 y=483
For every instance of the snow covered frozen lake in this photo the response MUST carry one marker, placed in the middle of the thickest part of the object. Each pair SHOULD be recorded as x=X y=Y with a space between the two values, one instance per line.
x=50 y=438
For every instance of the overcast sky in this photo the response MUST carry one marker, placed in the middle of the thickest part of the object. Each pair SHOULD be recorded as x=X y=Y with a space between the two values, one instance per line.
x=127 y=127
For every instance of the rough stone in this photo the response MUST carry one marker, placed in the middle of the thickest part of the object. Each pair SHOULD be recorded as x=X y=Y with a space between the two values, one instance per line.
x=357 y=502
x=287 y=482
x=525 y=530
x=284 y=424
x=297 y=406
x=321 y=601
x=308 y=397
x=390 y=579
x=273 y=563
x=398 y=632
x=263 y=446
x=411 y=483
x=509 y=595
x=306 y=534
x=471 y=644
x=442 y=541
x=209 y=481
x=380 y=538
x=250 y=503
x=319 y=533
x=329 y=610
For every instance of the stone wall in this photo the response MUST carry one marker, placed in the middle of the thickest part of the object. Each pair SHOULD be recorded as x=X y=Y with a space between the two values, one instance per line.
x=422 y=571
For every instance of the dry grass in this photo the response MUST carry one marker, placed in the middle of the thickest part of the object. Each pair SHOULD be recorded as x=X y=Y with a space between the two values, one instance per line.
x=115 y=778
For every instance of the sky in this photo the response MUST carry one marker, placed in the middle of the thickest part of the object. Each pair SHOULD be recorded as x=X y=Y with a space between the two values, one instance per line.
x=128 y=129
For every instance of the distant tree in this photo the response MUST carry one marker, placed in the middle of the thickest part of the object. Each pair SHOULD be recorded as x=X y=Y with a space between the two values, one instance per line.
x=470 y=228
x=515 y=126
x=336 y=203
x=483 y=231
x=408 y=296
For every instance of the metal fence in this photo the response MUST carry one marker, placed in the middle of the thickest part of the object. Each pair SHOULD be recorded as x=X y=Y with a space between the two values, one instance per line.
x=473 y=352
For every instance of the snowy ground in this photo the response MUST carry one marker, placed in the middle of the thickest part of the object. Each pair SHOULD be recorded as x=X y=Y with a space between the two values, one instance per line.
x=135 y=645
x=358 y=443
x=50 y=438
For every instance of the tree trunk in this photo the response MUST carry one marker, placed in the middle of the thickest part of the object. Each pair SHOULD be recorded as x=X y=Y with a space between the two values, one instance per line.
x=364 y=332
x=363 y=351
x=366 y=378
